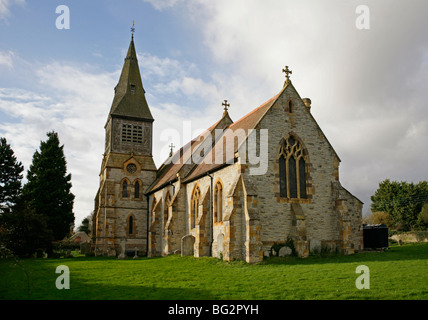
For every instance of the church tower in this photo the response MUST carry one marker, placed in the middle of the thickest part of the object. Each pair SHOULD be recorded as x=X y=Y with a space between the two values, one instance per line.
x=127 y=169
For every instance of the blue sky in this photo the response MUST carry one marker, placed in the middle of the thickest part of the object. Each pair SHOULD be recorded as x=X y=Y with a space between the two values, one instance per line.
x=368 y=87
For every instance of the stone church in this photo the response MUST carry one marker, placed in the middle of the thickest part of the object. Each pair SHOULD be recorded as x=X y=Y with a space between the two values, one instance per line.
x=240 y=190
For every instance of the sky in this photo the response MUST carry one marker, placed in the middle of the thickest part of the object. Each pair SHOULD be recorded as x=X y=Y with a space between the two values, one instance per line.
x=364 y=68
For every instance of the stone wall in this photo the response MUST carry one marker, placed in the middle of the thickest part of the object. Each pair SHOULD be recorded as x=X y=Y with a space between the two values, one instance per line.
x=255 y=216
x=313 y=219
x=113 y=210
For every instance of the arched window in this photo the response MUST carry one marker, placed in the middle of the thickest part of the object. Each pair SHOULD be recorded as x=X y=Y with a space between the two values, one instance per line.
x=131 y=225
x=218 y=202
x=194 y=206
x=290 y=106
x=292 y=169
x=124 y=189
x=137 y=190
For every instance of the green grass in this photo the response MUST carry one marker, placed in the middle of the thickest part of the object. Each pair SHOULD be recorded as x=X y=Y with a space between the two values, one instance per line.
x=398 y=273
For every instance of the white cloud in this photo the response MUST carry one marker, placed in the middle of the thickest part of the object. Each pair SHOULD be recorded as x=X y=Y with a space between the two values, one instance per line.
x=163 y=4
x=6 y=59
x=76 y=102
x=367 y=87
x=76 y=107
x=5 y=7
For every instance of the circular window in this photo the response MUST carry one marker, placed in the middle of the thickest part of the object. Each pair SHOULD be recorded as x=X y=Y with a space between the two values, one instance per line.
x=131 y=168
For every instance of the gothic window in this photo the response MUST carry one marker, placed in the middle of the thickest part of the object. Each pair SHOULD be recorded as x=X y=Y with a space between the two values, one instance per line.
x=194 y=206
x=292 y=169
x=218 y=202
x=124 y=189
x=290 y=106
x=137 y=190
x=132 y=133
x=131 y=225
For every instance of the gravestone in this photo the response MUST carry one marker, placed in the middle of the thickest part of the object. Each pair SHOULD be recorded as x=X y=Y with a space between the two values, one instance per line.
x=85 y=248
x=315 y=245
x=187 y=245
x=284 y=251
x=122 y=254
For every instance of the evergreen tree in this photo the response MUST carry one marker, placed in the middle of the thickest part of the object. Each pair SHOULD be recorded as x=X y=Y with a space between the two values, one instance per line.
x=10 y=191
x=402 y=201
x=26 y=231
x=85 y=226
x=47 y=192
x=10 y=177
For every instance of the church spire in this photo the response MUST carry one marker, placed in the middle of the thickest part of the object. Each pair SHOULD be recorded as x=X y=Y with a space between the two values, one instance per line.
x=129 y=98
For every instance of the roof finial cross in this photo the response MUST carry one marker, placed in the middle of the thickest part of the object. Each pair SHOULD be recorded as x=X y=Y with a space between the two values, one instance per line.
x=171 y=146
x=226 y=105
x=287 y=74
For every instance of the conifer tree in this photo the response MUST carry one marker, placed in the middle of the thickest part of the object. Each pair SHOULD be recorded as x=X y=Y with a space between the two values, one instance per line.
x=10 y=177
x=48 y=190
x=85 y=225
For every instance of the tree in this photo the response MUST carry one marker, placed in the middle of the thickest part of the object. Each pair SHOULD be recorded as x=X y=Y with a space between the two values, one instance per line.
x=378 y=217
x=26 y=231
x=85 y=226
x=10 y=191
x=48 y=190
x=423 y=216
x=402 y=201
x=10 y=177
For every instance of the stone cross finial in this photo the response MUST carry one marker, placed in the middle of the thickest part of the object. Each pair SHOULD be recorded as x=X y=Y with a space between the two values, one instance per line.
x=171 y=146
x=226 y=105
x=287 y=74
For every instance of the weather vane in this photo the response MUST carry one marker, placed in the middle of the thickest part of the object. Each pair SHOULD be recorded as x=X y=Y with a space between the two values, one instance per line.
x=133 y=29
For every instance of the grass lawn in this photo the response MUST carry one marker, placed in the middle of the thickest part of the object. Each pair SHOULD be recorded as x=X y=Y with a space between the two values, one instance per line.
x=399 y=273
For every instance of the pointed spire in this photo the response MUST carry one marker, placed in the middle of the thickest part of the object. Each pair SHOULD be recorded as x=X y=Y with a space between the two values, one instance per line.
x=129 y=98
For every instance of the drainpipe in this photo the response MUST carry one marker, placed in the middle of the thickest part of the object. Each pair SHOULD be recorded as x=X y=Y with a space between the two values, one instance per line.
x=211 y=215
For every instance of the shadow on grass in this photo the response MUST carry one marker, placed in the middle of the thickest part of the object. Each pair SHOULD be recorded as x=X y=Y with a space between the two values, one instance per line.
x=394 y=253
x=131 y=292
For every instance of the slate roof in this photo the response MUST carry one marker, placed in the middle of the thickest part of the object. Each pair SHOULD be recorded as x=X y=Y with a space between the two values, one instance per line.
x=181 y=159
x=129 y=99
x=168 y=171
x=224 y=151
